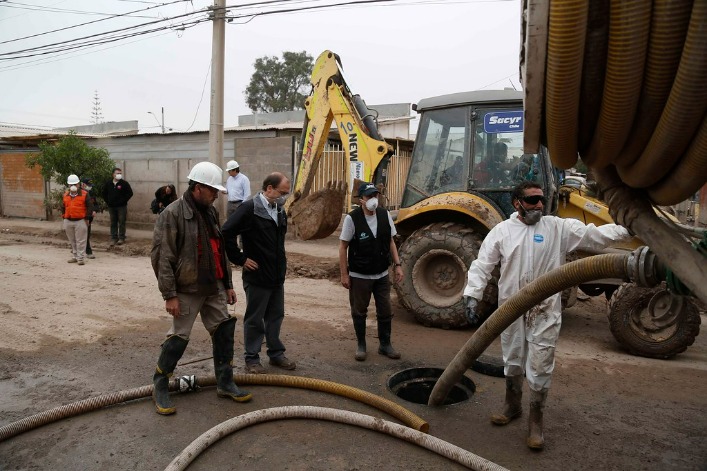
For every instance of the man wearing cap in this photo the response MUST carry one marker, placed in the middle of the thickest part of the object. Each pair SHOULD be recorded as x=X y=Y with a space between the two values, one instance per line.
x=194 y=277
x=366 y=250
x=238 y=187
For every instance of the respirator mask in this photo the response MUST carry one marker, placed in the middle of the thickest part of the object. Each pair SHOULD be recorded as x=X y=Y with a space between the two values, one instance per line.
x=73 y=189
x=372 y=204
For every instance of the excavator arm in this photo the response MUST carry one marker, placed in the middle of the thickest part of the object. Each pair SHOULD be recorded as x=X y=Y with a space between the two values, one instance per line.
x=317 y=214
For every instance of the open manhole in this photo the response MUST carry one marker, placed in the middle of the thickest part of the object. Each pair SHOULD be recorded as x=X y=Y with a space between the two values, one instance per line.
x=416 y=384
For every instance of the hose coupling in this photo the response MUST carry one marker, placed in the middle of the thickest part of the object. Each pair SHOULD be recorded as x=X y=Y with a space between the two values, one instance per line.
x=187 y=383
x=644 y=268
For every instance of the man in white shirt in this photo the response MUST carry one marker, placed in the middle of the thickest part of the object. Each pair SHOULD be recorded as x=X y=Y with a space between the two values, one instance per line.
x=366 y=250
x=238 y=186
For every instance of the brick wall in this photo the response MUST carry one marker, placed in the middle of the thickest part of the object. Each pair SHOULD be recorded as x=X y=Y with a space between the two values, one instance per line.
x=21 y=188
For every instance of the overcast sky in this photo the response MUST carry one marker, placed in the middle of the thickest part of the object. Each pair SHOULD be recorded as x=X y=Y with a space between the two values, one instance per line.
x=394 y=52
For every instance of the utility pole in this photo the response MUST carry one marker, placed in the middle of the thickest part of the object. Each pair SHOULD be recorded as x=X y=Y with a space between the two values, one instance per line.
x=163 y=120
x=218 y=48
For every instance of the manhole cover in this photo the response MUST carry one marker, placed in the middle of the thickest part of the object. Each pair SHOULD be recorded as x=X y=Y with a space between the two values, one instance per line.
x=416 y=384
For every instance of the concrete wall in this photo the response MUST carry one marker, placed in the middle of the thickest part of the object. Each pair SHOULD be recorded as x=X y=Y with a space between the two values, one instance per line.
x=151 y=161
x=21 y=188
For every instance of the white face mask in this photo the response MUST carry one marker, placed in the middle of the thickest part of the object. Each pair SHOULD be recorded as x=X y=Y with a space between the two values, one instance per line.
x=73 y=189
x=372 y=204
x=118 y=176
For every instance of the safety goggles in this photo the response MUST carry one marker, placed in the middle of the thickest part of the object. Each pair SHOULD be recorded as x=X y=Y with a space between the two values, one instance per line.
x=534 y=199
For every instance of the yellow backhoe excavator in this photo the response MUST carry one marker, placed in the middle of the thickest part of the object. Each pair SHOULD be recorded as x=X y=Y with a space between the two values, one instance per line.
x=468 y=156
x=317 y=215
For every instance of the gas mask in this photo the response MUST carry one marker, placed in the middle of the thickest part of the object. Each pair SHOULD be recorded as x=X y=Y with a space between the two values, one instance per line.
x=281 y=200
x=73 y=189
x=372 y=204
x=530 y=216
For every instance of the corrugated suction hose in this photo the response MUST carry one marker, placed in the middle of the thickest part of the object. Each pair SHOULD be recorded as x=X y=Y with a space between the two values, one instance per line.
x=446 y=449
x=651 y=125
x=94 y=403
x=566 y=276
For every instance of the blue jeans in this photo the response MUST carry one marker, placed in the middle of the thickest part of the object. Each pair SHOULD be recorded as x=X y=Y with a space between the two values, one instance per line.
x=117 y=222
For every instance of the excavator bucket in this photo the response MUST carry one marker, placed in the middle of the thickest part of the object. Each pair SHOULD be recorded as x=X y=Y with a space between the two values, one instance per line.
x=317 y=216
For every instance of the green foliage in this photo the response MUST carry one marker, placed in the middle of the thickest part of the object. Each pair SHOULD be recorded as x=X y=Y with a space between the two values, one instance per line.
x=280 y=85
x=71 y=155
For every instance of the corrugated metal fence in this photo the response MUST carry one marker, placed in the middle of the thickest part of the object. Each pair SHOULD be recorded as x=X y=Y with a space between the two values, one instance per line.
x=334 y=167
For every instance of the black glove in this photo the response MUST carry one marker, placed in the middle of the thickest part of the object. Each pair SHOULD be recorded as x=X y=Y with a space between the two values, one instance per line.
x=471 y=315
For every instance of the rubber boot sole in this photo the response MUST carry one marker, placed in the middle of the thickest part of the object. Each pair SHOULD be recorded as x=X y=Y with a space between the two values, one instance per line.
x=228 y=395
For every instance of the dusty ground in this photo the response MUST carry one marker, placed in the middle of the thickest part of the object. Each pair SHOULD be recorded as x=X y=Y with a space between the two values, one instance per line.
x=72 y=332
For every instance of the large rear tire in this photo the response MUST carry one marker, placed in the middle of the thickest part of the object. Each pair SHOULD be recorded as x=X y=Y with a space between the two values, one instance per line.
x=435 y=261
x=652 y=322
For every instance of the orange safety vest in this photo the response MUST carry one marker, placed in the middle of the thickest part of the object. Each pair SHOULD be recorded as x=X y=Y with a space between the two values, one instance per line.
x=75 y=208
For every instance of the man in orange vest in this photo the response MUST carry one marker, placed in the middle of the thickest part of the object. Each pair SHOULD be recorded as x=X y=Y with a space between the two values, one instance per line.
x=76 y=210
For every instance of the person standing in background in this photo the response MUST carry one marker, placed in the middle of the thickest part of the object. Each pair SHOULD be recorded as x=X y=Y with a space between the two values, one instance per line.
x=76 y=209
x=87 y=186
x=116 y=194
x=237 y=185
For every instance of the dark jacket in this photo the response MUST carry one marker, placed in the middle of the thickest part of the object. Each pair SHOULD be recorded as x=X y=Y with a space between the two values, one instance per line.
x=175 y=258
x=263 y=242
x=369 y=255
x=165 y=199
x=118 y=194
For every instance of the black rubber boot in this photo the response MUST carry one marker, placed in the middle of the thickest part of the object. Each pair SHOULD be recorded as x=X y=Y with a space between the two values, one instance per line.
x=385 y=348
x=512 y=407
x=360 y=328
x=536 y=441
x=172 y=350
x=222 y=342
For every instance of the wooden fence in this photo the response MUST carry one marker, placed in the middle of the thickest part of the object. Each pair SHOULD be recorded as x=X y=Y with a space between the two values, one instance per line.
x=333 y=166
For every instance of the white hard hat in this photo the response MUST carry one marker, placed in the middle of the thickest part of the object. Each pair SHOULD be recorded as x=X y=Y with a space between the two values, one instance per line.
x=207 y=173
x=231 y=165
x=72 y=180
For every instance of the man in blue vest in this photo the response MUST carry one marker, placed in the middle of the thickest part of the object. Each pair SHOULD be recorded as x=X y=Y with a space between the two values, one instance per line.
x=366 y=249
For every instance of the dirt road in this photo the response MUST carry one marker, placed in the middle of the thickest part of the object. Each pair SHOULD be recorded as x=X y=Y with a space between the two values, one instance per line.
x=72 y=332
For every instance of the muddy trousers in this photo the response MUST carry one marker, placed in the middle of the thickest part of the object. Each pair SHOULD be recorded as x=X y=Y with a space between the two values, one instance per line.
x=76 y=232
x=360 y=291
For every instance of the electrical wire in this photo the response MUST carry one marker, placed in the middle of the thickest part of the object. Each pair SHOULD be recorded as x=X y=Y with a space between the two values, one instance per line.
x=118 y=15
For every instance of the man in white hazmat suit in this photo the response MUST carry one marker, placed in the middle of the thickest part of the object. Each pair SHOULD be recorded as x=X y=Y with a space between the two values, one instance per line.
x=529 y=245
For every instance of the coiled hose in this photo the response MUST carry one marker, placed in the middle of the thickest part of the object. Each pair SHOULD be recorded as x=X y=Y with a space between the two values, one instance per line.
x=208 y=438
x=109 y=399
x=566 y=276
x=651 y=123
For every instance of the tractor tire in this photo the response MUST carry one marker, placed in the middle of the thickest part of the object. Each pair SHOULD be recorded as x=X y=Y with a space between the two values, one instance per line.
x=435 y=260
x=652 y=322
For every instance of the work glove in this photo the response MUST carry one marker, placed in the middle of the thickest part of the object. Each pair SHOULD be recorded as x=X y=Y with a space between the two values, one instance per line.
x=471 y=314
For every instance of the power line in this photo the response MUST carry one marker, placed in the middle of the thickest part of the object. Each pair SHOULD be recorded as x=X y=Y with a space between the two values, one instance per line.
x=91 y=22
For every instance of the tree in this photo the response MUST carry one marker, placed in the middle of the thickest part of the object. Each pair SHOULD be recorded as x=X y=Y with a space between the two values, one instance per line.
x=71 y=155
x=279 y=85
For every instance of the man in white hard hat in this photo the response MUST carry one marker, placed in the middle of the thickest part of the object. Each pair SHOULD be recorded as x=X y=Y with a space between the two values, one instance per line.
x=76 y=210
x=194 y=276
x=238 y=186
